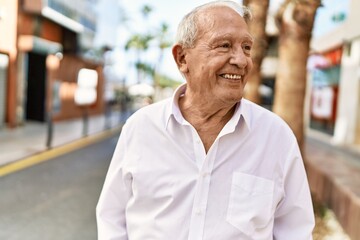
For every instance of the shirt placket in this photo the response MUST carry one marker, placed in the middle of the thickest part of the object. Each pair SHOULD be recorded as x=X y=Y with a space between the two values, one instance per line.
x=205 y=164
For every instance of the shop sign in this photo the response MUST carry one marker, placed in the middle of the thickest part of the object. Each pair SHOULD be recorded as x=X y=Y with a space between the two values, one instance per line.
x=322 y=102
x=85 y=93
x=325 y=60
x=326 y=77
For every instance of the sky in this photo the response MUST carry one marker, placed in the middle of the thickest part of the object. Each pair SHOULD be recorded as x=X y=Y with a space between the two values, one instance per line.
x=329 y=9
x=168 y=11
x=171 y=12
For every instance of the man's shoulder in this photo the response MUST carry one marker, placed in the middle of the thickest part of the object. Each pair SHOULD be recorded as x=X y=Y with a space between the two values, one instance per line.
x=257 y=111
x=263 y=117
x=154 y=112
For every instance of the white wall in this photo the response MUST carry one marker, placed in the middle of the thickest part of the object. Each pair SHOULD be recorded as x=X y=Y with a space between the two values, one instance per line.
x=346 y=32
x=348 y=98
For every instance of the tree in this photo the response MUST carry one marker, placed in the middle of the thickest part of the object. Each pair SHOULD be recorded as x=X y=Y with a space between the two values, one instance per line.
x=295 y=20
x=140 y=43
x=163 y=43
x=146 y=10
x=259 y=9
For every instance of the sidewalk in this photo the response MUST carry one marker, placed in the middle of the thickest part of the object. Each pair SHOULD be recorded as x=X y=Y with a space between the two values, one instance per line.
x=334 y=178
x=25 y=141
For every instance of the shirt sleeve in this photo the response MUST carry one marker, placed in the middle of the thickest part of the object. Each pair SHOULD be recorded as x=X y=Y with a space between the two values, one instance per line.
x=110 y=210
x=294 y=216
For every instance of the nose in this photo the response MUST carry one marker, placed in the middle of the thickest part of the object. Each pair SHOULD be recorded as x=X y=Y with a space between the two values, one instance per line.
x=239 y=59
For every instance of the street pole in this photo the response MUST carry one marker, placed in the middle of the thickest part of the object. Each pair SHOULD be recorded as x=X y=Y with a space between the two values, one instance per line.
x=49 y=129
x=85 y=121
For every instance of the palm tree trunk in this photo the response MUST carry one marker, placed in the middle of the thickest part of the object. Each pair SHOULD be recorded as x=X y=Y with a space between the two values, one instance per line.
x=296 y=20
x=259 y=9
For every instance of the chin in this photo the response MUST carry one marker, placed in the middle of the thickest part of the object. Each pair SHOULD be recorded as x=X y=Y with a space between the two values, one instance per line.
x=235 y=95
x=229 y=95
x=233 y=99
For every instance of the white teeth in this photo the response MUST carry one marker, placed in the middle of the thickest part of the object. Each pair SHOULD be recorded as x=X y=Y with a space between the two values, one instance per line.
x=232 y=76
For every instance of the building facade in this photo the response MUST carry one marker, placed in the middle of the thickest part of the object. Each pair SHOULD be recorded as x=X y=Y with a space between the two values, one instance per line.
x=47 y=44
x=334 y=75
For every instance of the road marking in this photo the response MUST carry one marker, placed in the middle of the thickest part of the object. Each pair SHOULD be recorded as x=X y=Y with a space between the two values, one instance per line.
x=55 y=152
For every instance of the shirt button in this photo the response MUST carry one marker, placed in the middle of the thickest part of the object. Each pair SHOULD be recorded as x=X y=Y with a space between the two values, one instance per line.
x=198 y=211
x=205 y=174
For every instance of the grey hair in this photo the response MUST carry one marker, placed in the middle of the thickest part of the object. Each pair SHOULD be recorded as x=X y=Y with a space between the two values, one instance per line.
x=188 y=26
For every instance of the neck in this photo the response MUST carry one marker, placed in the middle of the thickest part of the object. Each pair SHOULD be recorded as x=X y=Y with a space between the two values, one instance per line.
x=201 y=113
x=207 y=118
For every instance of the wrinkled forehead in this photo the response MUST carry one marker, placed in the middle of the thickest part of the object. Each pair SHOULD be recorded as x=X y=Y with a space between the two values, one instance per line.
x=207 y=18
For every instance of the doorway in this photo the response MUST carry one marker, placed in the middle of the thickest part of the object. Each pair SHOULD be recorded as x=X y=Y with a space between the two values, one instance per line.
x=36 y=87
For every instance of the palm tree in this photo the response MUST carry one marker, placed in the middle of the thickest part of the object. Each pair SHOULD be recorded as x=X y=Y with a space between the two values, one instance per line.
x=295 y=20
x=146 y=10
x=163 y=43
x=140 y=43
x=259 y=9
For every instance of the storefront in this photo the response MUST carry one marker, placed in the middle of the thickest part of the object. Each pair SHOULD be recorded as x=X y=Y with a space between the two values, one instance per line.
x=325 y=77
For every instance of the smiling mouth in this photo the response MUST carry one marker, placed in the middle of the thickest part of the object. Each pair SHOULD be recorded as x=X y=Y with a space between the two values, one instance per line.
x=231 y=76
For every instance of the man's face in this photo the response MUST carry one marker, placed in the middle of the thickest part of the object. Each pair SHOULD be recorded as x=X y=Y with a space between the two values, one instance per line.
x=217 y=67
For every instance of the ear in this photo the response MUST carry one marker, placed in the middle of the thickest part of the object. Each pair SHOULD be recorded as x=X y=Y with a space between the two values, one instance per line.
x=179 y=54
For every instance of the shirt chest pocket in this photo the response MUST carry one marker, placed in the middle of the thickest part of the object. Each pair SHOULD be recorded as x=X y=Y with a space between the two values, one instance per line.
x=250 y=203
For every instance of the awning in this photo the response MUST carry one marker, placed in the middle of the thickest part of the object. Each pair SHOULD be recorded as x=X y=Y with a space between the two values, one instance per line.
x=42 y=8
x=30 y=43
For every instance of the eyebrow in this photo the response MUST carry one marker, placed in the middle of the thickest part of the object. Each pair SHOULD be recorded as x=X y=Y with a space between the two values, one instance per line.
x=221 y=37
x=249 y=38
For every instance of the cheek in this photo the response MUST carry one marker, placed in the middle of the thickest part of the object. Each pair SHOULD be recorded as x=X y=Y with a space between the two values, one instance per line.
x=250 y=64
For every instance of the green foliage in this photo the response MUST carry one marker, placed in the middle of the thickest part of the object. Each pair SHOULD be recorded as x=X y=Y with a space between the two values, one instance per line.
x=138 y=42
x=162 y=36
x=141 y=42
x=146 y=10
x=164 y=81
x=145 y=68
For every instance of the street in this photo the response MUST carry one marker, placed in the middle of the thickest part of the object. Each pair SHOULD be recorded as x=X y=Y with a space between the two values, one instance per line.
x=55 y=199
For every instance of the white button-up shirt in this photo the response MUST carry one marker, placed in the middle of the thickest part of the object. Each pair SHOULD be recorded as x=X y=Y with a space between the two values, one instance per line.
x=162 y=185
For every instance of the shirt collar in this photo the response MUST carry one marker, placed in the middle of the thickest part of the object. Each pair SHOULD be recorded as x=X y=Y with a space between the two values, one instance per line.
x=245 y=111
x=242 y=110
x=173 y=110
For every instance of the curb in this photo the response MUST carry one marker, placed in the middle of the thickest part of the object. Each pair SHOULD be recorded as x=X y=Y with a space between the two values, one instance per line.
x=57 y=151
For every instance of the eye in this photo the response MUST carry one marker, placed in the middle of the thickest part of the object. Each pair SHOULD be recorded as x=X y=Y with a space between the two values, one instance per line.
x=247 y=48
x=225 y=45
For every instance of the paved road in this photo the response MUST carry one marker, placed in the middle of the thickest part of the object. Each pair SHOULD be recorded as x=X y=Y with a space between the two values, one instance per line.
x=55 y=199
